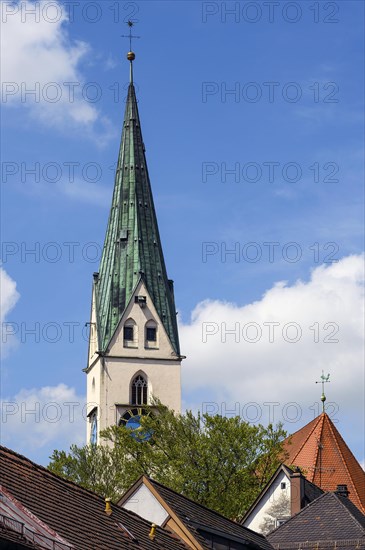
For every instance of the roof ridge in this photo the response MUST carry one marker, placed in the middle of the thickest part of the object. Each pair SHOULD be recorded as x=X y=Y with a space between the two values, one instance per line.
x=205 y=507
x=343 y=504
x=319 y=447
x=334 y=432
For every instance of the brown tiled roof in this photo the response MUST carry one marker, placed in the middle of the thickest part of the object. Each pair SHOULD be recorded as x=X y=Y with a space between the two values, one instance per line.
x=195 y=516
x=11 y=540
x=320 y=451
x=30 y=529
x=76 y=513
x=331 y=517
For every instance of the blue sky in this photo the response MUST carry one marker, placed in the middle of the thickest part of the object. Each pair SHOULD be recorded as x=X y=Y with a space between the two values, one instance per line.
x=293 y=132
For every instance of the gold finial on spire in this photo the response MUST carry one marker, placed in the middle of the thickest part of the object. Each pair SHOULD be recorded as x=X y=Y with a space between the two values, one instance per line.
x=131 y=56
x=323 y=380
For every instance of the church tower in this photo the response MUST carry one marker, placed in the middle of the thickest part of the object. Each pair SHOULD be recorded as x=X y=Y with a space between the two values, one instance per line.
x=134 y=351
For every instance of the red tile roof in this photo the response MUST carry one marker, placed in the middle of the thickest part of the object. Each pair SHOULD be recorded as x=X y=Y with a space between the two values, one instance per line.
x=77 y=514
x=320 y=451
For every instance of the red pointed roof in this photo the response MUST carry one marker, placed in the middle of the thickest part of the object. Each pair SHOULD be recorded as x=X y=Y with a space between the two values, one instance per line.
x=320 y=451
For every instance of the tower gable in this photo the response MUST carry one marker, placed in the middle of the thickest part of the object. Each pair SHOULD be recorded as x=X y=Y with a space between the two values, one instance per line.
x=140 y=332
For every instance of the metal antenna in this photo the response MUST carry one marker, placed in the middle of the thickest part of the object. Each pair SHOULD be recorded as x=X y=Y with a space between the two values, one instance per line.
x=323 y=381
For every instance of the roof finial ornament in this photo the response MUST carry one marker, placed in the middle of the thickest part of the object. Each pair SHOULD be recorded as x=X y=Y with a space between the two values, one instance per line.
x=323 y=380
x=130 y=55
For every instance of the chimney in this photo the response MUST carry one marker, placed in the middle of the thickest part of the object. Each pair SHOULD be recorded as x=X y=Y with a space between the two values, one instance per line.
x=342 y=490
x=296 y=492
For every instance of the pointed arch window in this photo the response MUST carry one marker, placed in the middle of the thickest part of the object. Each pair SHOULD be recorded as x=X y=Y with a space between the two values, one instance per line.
x=139 y=394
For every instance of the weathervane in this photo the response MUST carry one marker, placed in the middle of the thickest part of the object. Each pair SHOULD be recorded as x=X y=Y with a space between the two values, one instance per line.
x=130 y=55
x=323 y=380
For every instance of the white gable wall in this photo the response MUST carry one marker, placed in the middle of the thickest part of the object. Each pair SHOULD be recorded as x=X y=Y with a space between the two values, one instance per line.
x=146 y=505
x=141 y=316
x=274 y=492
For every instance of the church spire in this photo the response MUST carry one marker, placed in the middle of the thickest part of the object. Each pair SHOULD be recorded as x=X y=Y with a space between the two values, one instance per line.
x=132 y=249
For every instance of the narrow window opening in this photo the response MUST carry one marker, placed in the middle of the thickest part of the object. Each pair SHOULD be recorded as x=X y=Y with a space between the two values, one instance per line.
x=151 y=334
x=128 y=334
x=94 y=428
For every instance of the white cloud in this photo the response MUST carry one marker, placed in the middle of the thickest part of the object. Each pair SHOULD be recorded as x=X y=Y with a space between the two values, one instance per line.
x=111 y=63
x=9 y=294
x=39 y=420
x=232 y=368
x=82 y=191
x=38 y=54
x=78 y=190
x=8 y=298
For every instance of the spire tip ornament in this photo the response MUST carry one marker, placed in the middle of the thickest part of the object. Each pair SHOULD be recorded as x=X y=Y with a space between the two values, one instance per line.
x=323 y=380
x=131 y=56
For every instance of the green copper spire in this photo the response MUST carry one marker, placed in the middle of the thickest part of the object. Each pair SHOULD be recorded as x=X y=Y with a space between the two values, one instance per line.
x=132 y=249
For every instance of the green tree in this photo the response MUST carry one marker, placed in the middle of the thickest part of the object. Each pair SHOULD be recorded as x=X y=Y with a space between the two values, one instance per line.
x=220 y=462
